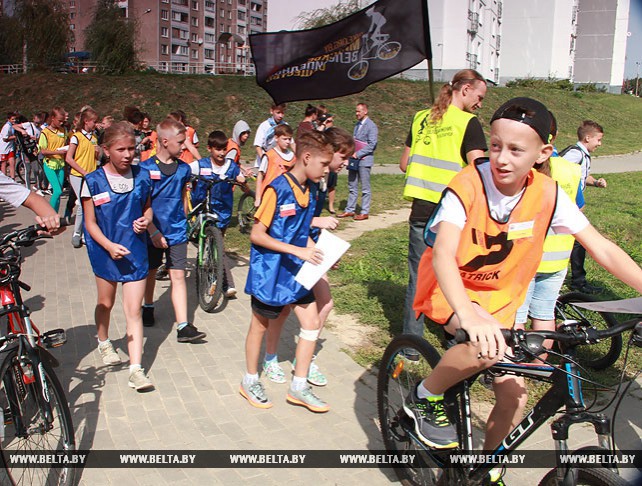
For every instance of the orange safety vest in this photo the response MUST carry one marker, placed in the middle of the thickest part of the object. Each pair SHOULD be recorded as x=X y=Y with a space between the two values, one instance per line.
x=277 y=165
x=186 y=156
x=496 y=260
x=231 y=144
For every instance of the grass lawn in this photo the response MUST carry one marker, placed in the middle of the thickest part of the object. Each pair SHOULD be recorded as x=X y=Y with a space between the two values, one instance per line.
x=371 y=281
x=217 y=102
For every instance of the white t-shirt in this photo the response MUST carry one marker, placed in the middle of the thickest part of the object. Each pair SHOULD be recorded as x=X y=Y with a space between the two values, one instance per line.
x=6 y=132
x=567 y=218
x=12 y=192
x=120 y=184
x=219 y=170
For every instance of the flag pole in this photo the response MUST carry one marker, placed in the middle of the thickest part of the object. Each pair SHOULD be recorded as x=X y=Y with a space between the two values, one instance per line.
x=424 y=9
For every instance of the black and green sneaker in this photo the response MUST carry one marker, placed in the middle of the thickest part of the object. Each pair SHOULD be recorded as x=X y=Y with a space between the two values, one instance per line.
x=431 y=423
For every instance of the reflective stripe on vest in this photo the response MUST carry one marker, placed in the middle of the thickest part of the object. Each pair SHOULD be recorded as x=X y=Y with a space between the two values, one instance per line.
x=557 y=248
x=435 y=155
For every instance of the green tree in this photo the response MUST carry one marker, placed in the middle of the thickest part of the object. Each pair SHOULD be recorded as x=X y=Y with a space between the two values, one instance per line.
x=38 y=33
x=111 y=38
x=325 y=16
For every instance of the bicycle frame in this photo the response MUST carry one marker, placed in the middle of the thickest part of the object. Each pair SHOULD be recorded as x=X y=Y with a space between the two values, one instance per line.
x=566 y=391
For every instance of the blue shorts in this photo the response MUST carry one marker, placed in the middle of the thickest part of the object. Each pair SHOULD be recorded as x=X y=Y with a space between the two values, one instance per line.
x=541 y=297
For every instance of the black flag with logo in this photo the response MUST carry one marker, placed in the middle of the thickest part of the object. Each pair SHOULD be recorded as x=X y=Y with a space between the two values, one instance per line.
x=345 y=57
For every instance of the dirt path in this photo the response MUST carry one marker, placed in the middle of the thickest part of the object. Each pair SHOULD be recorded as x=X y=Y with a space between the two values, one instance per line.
x=350 y=331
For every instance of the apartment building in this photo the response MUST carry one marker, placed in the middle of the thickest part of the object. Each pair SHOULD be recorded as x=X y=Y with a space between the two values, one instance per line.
x=185 y=36
x=580 y=40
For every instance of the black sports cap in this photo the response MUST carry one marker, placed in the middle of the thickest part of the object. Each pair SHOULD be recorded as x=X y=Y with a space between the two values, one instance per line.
x=528 y=111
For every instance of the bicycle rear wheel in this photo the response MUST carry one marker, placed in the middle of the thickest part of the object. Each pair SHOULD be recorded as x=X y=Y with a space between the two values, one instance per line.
x=397 y=378
x=26 y=429
x=597 y=476
x=21 y=172
x=598 y=356
x=246 y=210
x=210 y=271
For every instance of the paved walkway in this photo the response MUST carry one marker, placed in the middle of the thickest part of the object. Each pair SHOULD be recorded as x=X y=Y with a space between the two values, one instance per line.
x=196 y=404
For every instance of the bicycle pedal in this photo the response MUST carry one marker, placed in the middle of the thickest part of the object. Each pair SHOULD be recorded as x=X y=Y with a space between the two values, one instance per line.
x=54 y=338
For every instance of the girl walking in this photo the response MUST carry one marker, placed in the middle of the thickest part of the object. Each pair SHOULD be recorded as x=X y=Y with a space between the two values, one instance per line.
x=117 y=210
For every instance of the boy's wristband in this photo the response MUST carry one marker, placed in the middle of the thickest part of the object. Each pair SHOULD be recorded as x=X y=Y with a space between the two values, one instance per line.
x=154 y=233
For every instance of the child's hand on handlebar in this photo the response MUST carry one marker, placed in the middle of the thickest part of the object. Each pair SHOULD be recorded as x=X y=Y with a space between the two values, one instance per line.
x=485 y=332
x=51 y=222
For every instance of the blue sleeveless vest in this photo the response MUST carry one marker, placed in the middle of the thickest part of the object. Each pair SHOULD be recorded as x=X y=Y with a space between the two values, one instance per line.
x=318 y=208
x=115 y=219
x=271 y=275
x=221 y=195
x=167 y=201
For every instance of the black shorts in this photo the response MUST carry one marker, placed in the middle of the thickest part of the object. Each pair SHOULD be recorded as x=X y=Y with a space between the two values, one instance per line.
x=333 y=177
x=175 y=257
x=273 y=311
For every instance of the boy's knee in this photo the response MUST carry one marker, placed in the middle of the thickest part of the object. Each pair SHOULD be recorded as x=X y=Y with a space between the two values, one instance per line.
x=309 y=334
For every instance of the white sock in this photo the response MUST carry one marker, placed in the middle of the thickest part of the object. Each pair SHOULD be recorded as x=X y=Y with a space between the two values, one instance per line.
x=103 y=342
x=134 y=367
x=299 y=383
x=423 y=392
x=249 y=379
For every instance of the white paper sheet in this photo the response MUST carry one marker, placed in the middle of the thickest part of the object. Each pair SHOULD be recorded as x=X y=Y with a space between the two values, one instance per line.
x=333 y=248
x=625 y=306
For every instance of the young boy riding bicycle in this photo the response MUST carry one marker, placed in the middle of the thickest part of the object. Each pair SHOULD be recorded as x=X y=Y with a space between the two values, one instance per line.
x=485 y=243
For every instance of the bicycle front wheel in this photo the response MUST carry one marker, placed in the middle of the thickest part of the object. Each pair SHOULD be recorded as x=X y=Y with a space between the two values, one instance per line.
x=597 y=476
x=210 y=272
x=246 y=211
x=25 y=426
x=397 y=378
x=597 y=356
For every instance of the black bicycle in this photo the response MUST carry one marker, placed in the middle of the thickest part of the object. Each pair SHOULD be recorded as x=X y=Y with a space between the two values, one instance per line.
x=603 y=354
x=34 y=414
x=397 y=377
x=246 y=209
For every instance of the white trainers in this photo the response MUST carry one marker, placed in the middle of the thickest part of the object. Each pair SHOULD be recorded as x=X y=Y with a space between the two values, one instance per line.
x=139 y=382
x=108 y=353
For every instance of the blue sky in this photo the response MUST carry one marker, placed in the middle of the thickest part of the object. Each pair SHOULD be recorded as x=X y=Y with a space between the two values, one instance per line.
x=634 y=42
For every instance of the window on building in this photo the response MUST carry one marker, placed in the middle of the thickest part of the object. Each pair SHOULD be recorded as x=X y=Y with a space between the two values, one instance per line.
x=241 y=29
x=256 y=7
x=210 y=5
x=211 y=38
x=229 y=15
x=194 y=21
x=179 y=16
x=72 y=26
x=209 y=53
x=72 y=15
x=72 y=3
x=194 y=4
x=165 y=14
x=164 y=49
x=240 y=15
x=164 y=32
x=194 y=54
x=209 y=22
x=222 y=13
x=180 y=50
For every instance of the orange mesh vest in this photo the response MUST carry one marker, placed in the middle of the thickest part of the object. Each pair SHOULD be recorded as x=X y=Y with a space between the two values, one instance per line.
x=231 y=144
x=277 y=165
x=496 y=260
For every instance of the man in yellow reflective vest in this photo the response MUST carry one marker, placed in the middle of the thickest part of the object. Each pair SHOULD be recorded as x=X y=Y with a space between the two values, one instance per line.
x=442 y=140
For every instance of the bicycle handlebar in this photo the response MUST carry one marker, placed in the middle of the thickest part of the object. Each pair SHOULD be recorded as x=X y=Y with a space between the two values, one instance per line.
x=26 y=236
x=571 y=336
x=211 y=182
